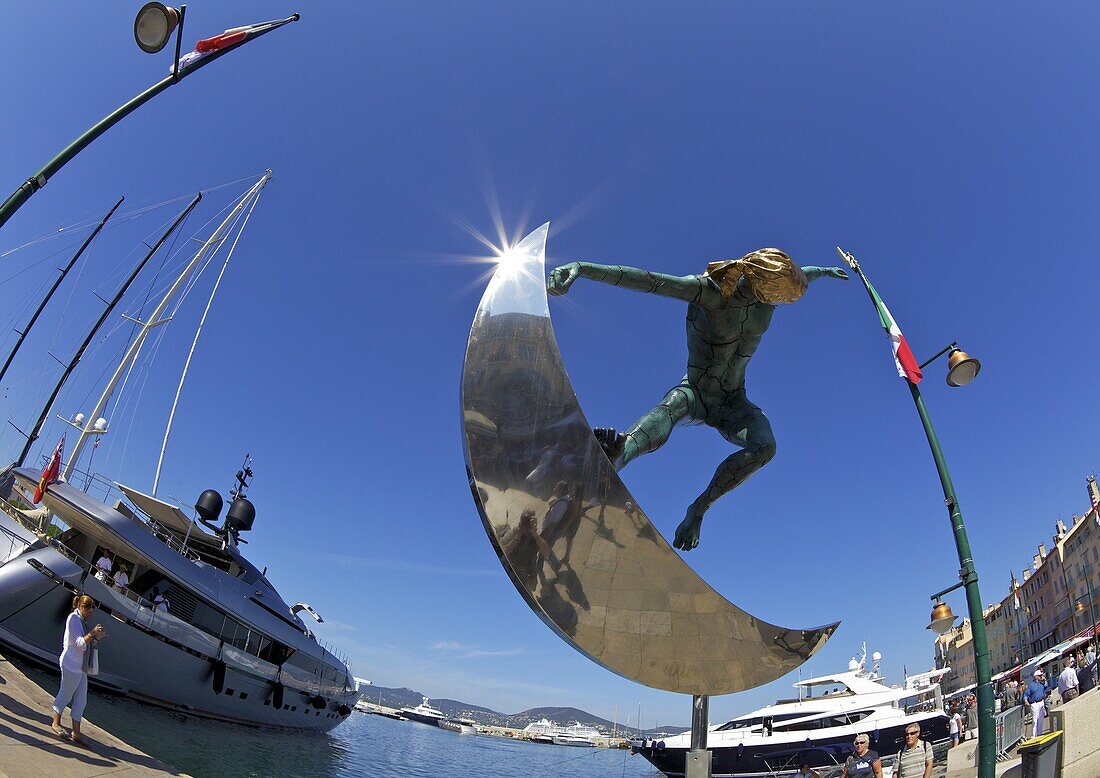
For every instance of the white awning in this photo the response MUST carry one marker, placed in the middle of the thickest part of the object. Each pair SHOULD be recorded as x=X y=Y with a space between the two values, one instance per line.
x=167 y=515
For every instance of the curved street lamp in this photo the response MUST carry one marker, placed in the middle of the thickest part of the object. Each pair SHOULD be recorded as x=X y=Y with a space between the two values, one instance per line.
x=962 y=369
x=153 y=27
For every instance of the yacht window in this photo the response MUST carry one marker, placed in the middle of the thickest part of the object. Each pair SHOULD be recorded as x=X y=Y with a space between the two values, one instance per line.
x=825 y=722
x=759 y=720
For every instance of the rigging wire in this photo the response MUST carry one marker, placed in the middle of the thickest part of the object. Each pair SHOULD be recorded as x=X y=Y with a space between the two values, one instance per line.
x=123 y=217
x=195 y=342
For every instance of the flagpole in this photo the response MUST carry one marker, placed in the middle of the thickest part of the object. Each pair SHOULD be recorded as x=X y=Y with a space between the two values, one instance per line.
x=987 y=746
x=39 y=179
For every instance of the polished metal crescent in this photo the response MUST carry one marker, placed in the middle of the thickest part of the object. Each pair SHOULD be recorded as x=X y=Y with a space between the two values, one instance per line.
x=577 y=546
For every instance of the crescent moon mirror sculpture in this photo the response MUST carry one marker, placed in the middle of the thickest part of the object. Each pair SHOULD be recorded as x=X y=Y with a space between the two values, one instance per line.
x=575 y=543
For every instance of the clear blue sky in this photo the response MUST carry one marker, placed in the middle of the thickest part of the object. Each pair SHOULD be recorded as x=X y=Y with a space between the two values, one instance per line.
x=951 y=148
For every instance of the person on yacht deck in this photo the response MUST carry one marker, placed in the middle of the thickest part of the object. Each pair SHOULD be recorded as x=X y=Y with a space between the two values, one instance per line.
x=77 y=648
x=160 y=602
x=122 y=579
x=103 y=567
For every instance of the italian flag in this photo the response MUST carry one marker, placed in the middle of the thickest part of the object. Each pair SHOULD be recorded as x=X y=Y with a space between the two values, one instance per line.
x=903 y=356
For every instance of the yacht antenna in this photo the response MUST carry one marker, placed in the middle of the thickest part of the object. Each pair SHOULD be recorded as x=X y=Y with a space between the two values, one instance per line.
x=91 y=333
x=56 y=283
x=195 y=342
x=94 y=426
x=242 y=478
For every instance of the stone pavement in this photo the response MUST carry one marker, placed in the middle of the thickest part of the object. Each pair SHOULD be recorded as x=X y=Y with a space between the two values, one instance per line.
x=29 y=748
x=961 y=760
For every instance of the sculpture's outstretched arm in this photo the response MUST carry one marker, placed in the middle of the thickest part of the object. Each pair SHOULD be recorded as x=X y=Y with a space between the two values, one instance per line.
x=693 y=289
x=814 y=273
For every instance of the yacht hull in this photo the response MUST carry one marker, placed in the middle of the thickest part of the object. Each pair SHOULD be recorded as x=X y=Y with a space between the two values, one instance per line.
x=411 y=716
x=176 y=669
x=773 y=756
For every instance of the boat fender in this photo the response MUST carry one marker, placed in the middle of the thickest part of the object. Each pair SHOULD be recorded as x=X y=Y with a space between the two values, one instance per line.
x=343 y=710
x=874 y=735
x=318 y=702
x=740 y=751
x=277 y=695
x=218 y=680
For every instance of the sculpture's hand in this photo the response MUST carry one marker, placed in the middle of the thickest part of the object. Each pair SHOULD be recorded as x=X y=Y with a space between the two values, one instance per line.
x=836 y=272
x=561 y=278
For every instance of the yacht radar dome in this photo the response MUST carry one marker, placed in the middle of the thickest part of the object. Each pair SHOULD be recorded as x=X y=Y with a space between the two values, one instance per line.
x=100 y=425
x=853 y=664
x=241 y=515
x=209 y=506
x=876 y=657
x=78 y=420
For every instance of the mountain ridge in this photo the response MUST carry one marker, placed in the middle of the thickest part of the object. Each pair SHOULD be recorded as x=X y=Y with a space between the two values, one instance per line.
x=405 y=697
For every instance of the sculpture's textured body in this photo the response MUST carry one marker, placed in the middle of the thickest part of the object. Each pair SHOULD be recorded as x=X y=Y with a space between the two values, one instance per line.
x=729 y=310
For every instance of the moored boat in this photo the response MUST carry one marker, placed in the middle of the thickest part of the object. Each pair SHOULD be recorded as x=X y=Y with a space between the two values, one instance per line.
x=194 y=625
x=424 y=713
x=816 y=728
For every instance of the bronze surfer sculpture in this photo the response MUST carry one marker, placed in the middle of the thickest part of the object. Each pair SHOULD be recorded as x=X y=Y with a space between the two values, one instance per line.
x=729 y=309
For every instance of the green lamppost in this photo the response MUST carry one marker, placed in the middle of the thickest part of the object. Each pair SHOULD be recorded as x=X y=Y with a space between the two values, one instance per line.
x=153 y=27
x=961 y=370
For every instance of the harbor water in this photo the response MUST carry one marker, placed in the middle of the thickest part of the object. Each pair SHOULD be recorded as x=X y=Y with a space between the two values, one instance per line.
x=364 y=745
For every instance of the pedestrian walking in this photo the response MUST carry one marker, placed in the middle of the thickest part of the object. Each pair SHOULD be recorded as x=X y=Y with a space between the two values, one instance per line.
x=914 y=760
x=864 y=763
x=1067 y=681
x=77 y=659
x=1035 y=695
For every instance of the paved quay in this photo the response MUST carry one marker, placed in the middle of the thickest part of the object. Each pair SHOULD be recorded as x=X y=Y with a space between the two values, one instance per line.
x=961 y=764
x=29 y=748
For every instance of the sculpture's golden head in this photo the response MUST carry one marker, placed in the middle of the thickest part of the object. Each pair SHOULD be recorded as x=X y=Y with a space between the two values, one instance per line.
x=771 y=274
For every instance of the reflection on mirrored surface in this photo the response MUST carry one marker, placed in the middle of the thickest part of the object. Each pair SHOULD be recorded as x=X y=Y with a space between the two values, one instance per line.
x=575 y=543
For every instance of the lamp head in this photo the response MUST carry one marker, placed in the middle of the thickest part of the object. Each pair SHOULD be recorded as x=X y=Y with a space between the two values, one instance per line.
x=1080 y=608
x=961 y=368
x=942 y=618
x=153 y=26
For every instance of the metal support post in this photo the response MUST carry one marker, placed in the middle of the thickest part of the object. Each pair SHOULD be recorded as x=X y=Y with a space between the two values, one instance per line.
x=698 y=758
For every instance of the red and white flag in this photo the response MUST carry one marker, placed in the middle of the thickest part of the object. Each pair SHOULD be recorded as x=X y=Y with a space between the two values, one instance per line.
x=52 y=471
x=906 y=363
x=227 y=38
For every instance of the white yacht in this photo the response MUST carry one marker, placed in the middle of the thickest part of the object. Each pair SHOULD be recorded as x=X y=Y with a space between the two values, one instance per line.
x=817 y=727
x=546 y=731
x=424 y=713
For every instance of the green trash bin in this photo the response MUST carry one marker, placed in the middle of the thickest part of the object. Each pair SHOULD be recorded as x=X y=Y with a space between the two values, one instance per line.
x=1042 y=756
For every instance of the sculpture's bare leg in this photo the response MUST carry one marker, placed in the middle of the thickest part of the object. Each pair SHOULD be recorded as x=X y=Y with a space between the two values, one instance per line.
x=651 y=431
x=745 y=425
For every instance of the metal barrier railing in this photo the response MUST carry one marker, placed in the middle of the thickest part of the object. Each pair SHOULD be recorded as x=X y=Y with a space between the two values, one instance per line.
x=1009 y=725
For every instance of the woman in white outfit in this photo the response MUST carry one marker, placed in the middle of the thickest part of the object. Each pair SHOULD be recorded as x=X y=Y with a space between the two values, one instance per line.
x=76 y=652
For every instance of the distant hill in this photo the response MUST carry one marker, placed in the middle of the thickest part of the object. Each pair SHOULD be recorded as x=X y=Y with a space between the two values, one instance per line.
x=400 y=698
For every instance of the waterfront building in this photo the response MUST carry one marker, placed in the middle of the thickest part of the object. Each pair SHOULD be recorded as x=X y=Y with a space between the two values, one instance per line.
x=1081 y=564
x=1054 y=601
x=999 y=637
x=955 y=649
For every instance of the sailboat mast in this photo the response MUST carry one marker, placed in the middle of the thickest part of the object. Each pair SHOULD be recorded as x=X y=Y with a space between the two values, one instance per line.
x=154 y=320
x=91 y=333
x=195 y=342
x=57 y=283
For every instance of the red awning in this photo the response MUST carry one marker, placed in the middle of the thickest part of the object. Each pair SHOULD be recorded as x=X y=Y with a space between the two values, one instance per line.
x=1012 y=673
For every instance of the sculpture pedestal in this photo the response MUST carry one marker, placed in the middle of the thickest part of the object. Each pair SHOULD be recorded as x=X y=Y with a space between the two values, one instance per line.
x=698 y=764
